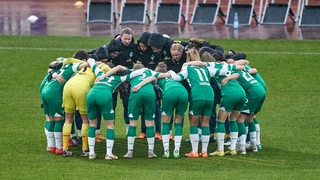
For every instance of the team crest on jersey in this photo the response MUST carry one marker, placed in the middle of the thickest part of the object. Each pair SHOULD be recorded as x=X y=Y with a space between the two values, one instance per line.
x=131 y=54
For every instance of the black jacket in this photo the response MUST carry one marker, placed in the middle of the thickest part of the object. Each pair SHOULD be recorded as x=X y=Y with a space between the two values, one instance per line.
x=128 y=55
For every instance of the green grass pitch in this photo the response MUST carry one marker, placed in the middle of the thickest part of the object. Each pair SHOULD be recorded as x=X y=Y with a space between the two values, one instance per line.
x=289 y=119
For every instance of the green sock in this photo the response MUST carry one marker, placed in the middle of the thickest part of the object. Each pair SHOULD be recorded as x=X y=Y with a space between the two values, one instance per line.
x=252 y=126
x=242 y=128
x=177 y=129
x=245 y=123
x=58 y=126
x=91 y=132
x=193 y=130
x=165 y=128
x=233 y=126
x=51 y=126
x=205 y=131
x=46 y=125
x=150 y=131
x=110 y=134
x=132 y=131
x=220 y=127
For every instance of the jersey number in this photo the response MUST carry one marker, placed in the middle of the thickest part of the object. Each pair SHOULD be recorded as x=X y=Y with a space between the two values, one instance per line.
x=202 y=75
x=247 y=76
x=110 y=79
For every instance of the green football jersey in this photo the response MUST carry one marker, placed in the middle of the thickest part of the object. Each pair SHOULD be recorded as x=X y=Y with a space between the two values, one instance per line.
x=66 y=71
x=167 y=83
x=249 y=83
x=112 y=82
x=199 y=81
x=257 y=76
x=148 y=88
x=230 y=69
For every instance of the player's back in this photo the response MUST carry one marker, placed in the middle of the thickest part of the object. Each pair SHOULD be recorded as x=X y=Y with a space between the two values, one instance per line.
x=84 y=79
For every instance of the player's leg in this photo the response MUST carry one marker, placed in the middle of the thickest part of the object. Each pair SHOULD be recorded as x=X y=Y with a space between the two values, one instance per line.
x=69 y=108
x=59 y=121
x=110 y=140
x=180 y=110
x=178 y=122
x=99 y=137
x=58 y=117
x=66 y=131
x=205 y=136
x=143 y=127
x=242 y=133
x=84 y=133
x=46 y=127
x=92 y=136
x=234 y=132
x=131 y=137
x=109 y=116
x=134 y=109
x=252 y=132
x=194 y=137
x=52 y=144
x=49 y=112
x=256 y=122
x=73 y=141
x=168 y=102
x=220 y=132
x=149 y=108
x=78 y=123
x=195 y=107
x=166 y=135
x=93 y=113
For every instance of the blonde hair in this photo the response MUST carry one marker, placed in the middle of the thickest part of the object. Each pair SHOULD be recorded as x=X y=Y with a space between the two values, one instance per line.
x=193 y=55
x=126 y=30
x=138 y=66
x=207 y=57
x=176 y=47
x=162 y=67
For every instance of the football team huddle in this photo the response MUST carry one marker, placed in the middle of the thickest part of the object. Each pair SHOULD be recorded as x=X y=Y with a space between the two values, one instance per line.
x=158 y=80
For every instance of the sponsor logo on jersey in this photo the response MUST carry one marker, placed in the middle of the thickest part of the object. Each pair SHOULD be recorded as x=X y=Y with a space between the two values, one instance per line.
x=204 y=83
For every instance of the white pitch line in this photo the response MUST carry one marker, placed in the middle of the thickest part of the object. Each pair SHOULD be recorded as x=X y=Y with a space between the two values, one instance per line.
x=70 y=49
x=37 y=49
x=280 y=52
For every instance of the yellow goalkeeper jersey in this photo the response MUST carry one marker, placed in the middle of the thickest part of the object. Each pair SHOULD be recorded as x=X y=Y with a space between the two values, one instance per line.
x=85 y=78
